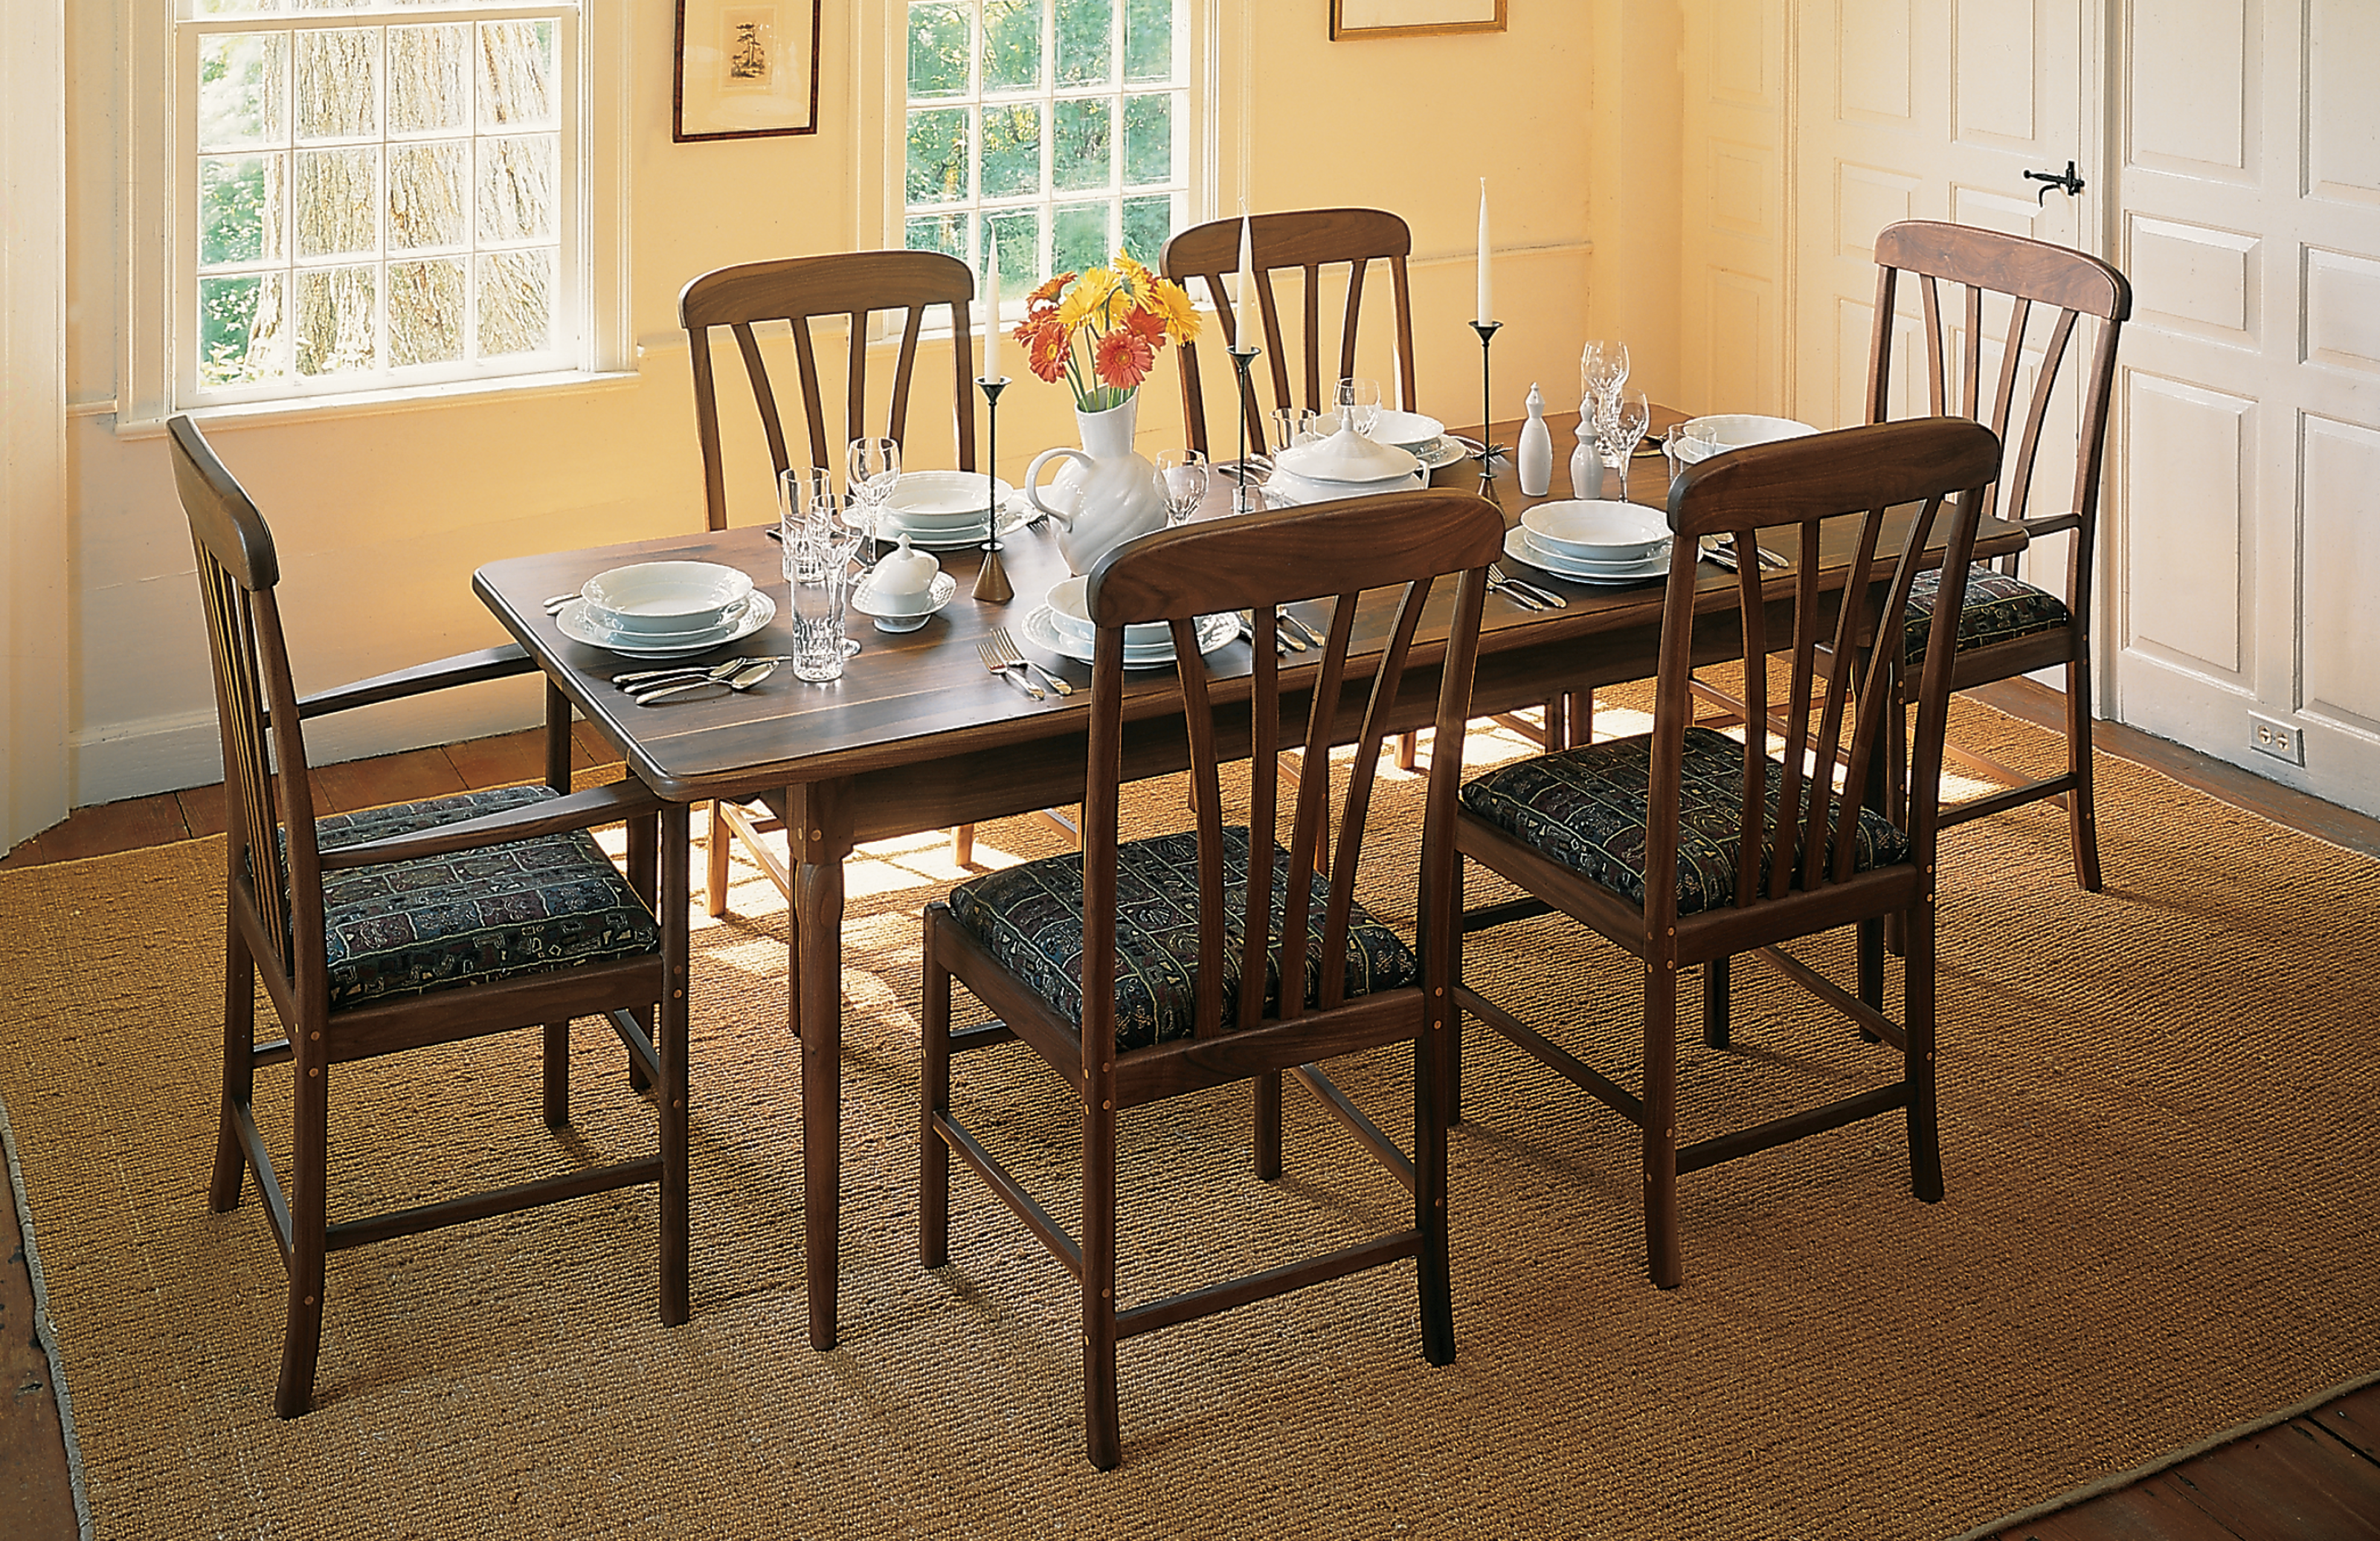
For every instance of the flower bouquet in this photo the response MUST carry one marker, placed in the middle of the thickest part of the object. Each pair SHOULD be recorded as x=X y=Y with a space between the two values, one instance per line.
x=1100 y=330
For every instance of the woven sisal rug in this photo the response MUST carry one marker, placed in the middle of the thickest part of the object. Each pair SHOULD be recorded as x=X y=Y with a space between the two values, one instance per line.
x=2160 y=1126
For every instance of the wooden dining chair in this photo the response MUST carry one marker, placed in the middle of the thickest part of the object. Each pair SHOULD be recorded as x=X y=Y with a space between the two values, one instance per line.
x=1131 y=968
x=1684 y=846
x=2052 y=317
x=403 y=928
x=1332 y=251
x=848 y=290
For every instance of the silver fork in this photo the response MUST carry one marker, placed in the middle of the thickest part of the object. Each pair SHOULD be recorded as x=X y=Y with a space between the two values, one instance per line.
x=1005 y=645
x=998 y=665
x=1525 y=599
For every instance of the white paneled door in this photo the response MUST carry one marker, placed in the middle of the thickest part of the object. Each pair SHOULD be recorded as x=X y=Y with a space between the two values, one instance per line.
x=2245 y=525
x=1914 y=109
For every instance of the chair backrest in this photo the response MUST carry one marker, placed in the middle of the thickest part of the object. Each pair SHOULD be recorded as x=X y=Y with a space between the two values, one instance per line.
x=256 y=706
x=852 y=285
x=1311 y=240
x=1403 y=542
x=2046 y=295
x=1797 y=485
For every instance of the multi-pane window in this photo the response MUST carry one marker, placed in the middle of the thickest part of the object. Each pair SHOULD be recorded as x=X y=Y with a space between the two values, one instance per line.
x=1061 y=126
x=378 y=193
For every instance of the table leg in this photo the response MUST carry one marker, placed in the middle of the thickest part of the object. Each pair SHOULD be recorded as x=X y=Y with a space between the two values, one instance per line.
x=819 y=824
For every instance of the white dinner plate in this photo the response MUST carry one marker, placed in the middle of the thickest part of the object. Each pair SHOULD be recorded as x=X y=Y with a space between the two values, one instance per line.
x=1517 y=547
x=1214 y=631
x=1070 y=618
x=572 y=618
x=1588 y=567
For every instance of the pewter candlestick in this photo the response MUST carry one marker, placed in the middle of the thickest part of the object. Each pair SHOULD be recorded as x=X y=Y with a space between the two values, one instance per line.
x=992 y=585
x=1490 y=451
x=1242 y=501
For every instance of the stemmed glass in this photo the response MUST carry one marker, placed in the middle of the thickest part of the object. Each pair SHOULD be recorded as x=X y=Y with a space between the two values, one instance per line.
x=1184 y=472
x=1291 y=426
x=1602 y=369
x=872 y=469
x=1620 y=425
x=1359 y=404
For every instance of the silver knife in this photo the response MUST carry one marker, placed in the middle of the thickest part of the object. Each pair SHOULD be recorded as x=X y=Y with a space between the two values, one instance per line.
x=1544 y=596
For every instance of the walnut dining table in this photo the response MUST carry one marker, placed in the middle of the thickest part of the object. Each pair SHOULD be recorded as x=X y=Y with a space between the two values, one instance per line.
x=920 y=735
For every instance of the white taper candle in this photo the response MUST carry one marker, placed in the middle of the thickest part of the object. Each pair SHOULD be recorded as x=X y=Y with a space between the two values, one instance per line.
x=991 y=315
x=1246 y=285
x=1486 y=283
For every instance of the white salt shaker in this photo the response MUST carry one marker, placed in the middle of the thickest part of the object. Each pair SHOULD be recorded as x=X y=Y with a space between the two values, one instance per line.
x=1536 y=451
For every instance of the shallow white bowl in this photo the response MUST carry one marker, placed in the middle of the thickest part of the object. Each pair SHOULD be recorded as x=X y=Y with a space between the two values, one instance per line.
x=1070 y=616
x=665 y=596
x=1410 y=431
x=1597 y=530
x=928 y=497
x=1734 y=430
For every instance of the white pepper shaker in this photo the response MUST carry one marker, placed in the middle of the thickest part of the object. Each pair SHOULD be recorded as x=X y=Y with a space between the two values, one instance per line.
x=1536 y=451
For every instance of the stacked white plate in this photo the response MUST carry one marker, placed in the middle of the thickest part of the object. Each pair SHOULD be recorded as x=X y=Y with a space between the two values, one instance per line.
x=942 y=510
x=1592 y=540
x=1705 y=437
x=667 y=609
x=1064 y=626
x=1342 y=465
x=1423 y=437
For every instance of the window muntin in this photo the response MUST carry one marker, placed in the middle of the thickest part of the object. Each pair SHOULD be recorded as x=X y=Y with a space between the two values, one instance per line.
x=376 y=194
x=1062 y=127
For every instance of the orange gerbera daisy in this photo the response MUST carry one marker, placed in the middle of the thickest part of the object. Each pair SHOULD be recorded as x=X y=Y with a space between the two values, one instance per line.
x=1123 y=357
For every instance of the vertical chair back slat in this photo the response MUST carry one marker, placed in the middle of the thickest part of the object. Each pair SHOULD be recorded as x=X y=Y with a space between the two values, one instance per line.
x=1330 y=550
x=1315 y=243
x=850 y=287
x=1873 y=474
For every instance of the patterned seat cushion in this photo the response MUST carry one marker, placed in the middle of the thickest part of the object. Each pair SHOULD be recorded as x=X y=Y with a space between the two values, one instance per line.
x=1030 y=918
x=475 y=916
x=1585 y=808
x=1998 y=609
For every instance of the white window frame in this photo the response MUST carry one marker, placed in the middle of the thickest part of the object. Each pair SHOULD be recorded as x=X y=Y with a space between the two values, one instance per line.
x=1218 y=35
x=594 y=340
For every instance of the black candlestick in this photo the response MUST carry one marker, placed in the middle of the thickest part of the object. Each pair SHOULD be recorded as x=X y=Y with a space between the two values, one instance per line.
x=992 y=585
x=1490 y=451
x=1241 y=500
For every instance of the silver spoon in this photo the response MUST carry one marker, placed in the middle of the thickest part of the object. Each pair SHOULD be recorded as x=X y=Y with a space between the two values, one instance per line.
x=743 y=678
x=647 y=679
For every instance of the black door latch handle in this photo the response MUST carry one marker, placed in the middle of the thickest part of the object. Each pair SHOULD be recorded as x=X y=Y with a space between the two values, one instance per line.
x=2072 y=183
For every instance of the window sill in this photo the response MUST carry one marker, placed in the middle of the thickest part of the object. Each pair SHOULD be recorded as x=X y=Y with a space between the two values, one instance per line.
x=369 y=403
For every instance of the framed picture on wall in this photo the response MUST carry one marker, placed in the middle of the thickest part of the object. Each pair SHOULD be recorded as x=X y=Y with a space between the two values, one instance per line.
x=745 y=69
x=1402 y=19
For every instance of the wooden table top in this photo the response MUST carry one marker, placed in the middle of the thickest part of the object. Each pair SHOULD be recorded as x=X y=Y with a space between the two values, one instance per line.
x=919 y=716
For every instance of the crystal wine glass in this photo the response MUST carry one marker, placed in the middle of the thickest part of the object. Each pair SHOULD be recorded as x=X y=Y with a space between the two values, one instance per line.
x=1184 y=472
x=1358 y=402
x=1603 y=369
x=871 y=471
x=1620 y=425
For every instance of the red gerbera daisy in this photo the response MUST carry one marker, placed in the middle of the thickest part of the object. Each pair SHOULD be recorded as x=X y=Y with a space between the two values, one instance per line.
x=1123 y=357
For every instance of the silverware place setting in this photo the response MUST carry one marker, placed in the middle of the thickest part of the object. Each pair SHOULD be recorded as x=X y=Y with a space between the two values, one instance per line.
x=747 y=674
x=1013 y=656
x=1013 y=673
x=1528 y=595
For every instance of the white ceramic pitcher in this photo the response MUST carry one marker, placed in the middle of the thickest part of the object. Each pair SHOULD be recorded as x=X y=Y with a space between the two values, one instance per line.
x=1105 y=494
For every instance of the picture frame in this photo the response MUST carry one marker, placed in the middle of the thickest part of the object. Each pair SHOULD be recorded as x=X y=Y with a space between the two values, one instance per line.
x=745 y=69
x=1409 y=19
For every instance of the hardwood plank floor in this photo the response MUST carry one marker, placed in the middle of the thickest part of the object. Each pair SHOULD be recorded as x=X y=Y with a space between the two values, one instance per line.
x=2313 y=1477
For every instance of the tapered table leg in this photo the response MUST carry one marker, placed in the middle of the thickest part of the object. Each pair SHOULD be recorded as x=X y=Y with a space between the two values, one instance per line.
x=820 y=826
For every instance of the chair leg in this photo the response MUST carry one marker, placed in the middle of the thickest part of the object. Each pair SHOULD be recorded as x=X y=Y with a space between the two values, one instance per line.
x=2082 y=816
x=1407 y=750
x=1715 y=1003
x=1455 y=1010
x=1870 y=939
x=1266 y=1089
x=1663 y=1252
x=644 y=876
x=1578 y=721
x=557 y=1075
x=962 y=844
x=301 y=1342
x=1917 y=989
x=714 y=873
x=1432 y=1273
x=239 y=1070
x=934 y=1100
x=1102 y=1426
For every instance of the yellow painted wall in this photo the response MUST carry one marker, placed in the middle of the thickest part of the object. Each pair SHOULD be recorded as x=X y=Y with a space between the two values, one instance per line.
x=382 y=516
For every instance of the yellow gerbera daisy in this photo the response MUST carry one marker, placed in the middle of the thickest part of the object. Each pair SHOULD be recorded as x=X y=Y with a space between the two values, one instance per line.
x=1171 y=302
x=1088 y=299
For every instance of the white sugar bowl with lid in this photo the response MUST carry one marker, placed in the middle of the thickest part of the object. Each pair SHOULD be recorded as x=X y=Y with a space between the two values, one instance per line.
x=905 y=588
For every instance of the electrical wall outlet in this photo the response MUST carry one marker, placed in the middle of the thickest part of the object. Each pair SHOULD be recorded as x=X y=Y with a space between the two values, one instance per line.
x=2281 y=740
